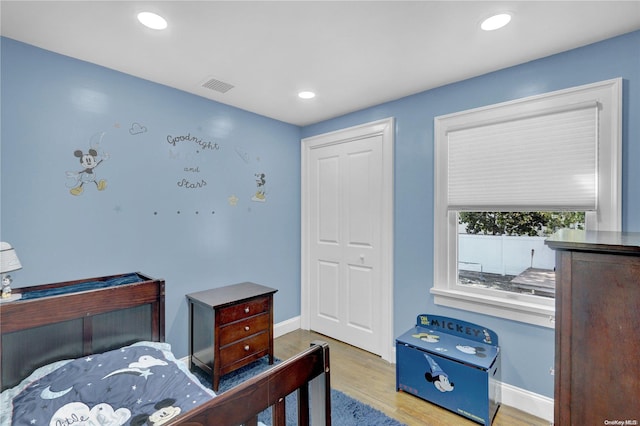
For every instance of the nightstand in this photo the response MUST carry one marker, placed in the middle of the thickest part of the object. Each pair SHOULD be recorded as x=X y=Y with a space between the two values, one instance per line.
x=230 y=327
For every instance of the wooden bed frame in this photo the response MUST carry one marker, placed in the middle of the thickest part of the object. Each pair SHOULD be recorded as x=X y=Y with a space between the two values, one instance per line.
x=36 y=332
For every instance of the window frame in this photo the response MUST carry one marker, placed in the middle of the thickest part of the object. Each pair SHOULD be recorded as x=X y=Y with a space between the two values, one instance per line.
x=526 y=308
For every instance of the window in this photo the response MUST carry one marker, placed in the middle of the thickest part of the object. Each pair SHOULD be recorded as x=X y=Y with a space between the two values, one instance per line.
x=557 y=152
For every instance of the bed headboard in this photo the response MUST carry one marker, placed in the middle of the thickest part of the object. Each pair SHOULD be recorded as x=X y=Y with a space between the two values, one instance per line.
x=75 y=318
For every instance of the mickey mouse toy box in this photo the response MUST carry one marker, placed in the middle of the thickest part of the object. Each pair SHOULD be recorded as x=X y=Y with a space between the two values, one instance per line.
x=451 y=363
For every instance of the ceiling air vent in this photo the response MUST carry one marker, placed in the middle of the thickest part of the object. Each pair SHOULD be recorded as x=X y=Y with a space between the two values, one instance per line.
x=217 y=85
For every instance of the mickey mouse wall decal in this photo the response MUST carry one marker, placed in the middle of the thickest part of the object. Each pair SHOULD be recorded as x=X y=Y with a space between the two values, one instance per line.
x=261 y=192
x=89 y=160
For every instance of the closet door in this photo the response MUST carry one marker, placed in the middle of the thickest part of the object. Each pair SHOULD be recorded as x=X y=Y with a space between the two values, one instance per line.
x=345 y=224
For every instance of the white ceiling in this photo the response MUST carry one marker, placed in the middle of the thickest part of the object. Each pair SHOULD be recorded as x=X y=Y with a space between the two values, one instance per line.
x=353 y=54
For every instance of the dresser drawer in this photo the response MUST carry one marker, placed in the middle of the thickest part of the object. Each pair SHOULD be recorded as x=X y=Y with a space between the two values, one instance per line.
x=229 y=333
x=244 y=348
x=243 y=310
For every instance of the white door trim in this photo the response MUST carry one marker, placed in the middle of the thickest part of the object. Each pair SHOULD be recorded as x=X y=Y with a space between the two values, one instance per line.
x=385 y=128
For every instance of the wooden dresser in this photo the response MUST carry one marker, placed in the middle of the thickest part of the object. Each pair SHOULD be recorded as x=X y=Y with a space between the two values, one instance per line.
x=230 y=327
x=597 y=358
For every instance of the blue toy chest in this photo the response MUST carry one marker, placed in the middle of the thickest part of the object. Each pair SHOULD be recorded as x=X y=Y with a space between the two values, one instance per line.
x=451 y=363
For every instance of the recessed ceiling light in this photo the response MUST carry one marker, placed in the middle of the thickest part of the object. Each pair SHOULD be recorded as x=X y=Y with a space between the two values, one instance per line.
x=306 y=95
x=496 y=21
x=152 y=20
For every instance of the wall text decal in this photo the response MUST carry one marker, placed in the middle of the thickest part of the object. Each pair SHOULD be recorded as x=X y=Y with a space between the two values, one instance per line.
x=201 y=146
x=184 y=183
x=173 y=140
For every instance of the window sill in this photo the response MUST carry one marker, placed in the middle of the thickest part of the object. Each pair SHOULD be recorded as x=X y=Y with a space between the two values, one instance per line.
x=515 y=310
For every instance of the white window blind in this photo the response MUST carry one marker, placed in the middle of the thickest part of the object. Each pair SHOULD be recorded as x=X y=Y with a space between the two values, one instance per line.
x=546 y=161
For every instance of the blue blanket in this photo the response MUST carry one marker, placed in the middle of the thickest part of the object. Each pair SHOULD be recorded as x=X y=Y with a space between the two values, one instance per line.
x=134 y=385
x=83 y=286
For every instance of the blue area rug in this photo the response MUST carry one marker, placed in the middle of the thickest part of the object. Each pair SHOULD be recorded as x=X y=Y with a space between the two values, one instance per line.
x=345 y=411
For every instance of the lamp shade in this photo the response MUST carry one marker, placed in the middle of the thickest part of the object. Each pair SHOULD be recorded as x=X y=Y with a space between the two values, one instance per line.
x=8 y=258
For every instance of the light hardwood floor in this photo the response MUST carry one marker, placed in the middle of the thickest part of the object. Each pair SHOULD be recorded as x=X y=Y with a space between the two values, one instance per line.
x=367 y=378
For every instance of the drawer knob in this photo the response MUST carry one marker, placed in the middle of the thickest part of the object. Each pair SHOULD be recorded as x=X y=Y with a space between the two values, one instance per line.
x=246 y=328
x=246 y=347
x=246 y=310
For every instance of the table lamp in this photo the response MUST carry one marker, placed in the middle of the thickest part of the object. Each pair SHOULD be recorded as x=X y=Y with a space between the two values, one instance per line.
x=8 y=262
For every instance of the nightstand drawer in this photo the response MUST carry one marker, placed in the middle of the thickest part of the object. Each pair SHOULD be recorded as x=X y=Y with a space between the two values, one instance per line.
x=244 y=348
x=229 y=333
x=244 y=310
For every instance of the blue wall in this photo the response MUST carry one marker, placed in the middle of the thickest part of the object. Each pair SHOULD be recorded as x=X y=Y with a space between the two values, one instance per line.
x=527 y=350
x=53 y=105
x=145 y=219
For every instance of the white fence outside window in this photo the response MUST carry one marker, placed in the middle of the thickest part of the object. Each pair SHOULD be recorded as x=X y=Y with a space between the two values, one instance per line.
x=502 y=254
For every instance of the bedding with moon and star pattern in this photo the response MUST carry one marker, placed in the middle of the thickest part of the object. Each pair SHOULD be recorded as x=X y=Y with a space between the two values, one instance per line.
x=141 y=384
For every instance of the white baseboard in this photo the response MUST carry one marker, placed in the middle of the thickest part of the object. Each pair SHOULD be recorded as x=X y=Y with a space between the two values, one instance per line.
x=527 y=401
x=286 y=326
